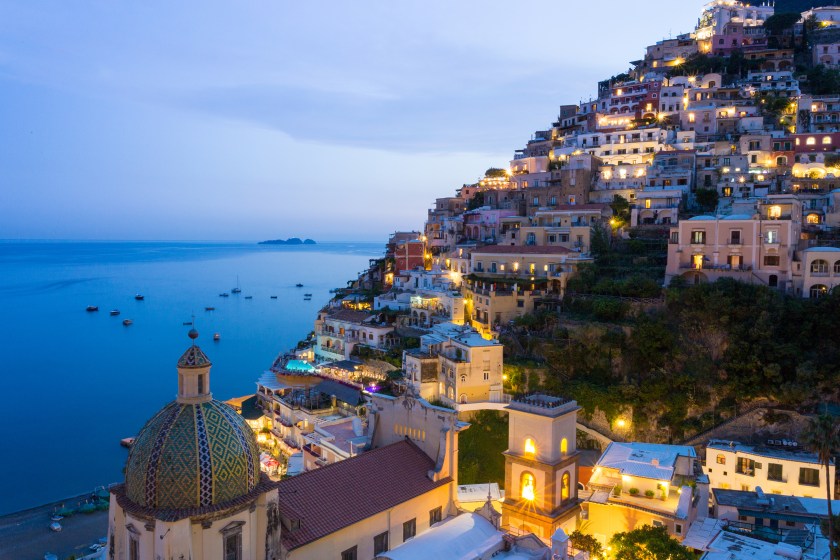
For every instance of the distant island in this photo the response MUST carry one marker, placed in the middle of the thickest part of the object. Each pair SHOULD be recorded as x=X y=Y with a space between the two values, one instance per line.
x=289 y=241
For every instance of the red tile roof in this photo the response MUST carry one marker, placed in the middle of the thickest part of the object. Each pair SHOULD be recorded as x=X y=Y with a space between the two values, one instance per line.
x=349 y=315
x=521 y=250
x=339 y=495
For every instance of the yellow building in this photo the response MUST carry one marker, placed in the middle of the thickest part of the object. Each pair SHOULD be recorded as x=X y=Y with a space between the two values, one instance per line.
x=636 y=484
x=541 y=466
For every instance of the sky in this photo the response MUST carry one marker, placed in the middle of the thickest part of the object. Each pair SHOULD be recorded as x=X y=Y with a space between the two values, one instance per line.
x=211 y=120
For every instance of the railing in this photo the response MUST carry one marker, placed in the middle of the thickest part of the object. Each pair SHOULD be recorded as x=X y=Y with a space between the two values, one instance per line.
x=717 y=267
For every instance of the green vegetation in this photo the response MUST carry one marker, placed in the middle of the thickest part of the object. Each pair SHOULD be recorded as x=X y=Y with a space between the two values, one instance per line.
x=687 y=363
x=781 y=22
x=586 y=543
x=621 y=211
x=707 y=199
x=495 y=172
x=648 y=543
x=480 y=458
x=735 y=65
x=477 y=201
x=822 y=80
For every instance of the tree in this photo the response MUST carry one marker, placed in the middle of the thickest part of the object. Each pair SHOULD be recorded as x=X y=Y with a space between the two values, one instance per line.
x=707 y=199
x=648 y=543
x=621 y=211
x=779 y=23
x=495 y=172
x=822 y=436
x=586 y=543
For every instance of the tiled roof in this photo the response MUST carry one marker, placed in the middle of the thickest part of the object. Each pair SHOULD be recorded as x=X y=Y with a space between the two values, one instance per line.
x=349 y=315
x=521 y=250
x=194 y=357
x=339 y=495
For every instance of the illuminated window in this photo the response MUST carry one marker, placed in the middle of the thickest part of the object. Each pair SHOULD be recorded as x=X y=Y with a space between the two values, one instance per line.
x=774 y=212
x=826 y=140
x=530 y=448
x=721 y=459
x=813 y=218
x=565 y=484
x=697 y=261
x=810 y=141
x=691 y=117
x=647 y=203
x=818 y=290
x=527 y=485
x=564 y=443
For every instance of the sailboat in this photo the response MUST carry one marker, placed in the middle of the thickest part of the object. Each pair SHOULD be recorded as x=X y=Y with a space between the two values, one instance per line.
x=237 y=289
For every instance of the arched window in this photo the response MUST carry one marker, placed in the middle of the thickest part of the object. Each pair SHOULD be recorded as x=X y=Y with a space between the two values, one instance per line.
x=826 y=140
x=463 y=399
x=565 y=484
x=463 y=378
x=818 y=290
x=530 y=447
x=837 y=267
x=811 y=141
x=527 y=486
x=564 y=444
x=819 y=266
x=781 y=160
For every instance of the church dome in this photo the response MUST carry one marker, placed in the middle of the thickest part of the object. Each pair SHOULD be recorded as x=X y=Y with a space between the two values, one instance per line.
x=192 y=454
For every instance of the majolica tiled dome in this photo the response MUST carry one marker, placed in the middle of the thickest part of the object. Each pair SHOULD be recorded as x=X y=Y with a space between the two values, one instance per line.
x=192 y=454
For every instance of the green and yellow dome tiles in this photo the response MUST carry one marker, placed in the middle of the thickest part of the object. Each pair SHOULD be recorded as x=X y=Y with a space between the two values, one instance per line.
x=192 y=455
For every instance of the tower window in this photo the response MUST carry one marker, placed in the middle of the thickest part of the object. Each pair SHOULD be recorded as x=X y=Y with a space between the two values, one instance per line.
x=530 y=447
x=201 y=383
x=527 y=486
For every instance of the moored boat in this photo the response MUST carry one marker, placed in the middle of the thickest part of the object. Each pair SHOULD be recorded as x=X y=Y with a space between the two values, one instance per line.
x=209 y=309
x=91 y=308
x=217 y=337
x=114 y=312
x=127 y=442
x=224 y=294
x=298 y=285
x=128 y=322
x=273 y=297
x=139 y=297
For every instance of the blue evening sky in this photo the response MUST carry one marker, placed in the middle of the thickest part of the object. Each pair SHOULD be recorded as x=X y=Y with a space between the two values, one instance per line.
x=263 y=119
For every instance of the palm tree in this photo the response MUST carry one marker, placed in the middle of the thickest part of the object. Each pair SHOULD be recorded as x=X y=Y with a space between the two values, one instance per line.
x=822 y=436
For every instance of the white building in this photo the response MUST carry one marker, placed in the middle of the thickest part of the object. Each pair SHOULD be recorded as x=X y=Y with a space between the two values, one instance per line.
x=777 y=470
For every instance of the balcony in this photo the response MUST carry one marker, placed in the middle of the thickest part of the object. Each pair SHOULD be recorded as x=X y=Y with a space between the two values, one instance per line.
x=717 y=267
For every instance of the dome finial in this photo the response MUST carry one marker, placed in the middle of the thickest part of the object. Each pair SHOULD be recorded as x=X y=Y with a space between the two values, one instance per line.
x=193 y=334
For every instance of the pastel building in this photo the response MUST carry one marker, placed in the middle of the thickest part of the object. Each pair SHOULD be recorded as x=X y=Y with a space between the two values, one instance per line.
x=636 y=484
x=339 y=331
x=775 y=469
x=751 y=248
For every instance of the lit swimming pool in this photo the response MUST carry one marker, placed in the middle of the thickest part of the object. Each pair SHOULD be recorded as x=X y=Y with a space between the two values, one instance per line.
x=299 y=365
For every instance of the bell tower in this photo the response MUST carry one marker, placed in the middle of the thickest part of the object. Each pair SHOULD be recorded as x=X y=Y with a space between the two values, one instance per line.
x=541 y=465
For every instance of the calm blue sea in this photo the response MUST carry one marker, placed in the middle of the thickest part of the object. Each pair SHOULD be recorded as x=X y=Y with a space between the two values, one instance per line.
x=74 y=383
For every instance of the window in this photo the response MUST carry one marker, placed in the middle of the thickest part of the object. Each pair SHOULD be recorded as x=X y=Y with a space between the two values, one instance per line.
x=771 y=260
x=809 y=477
x=527 y=485
x=735 y=237
x=811 y=141
x=818 y=290
x=647 y=203
x=350 y=554
x=819 y=266
x=678 y=528
x=435 y=515
x=565 y=484
x=233 y=546
x=721 y=459
x=774 y=472
x=826 y=140
x=486 y=376
x=698 y=237
x=773 y=236
x=837 y=267
x=409 y=529
x=200 y=383
x=380 y=543
x=520 y=303
x=133 y=548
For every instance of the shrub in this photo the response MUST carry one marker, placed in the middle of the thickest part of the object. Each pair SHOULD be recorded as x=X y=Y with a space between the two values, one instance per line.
x=634 y=491
x=649 y=493
x=617 y=490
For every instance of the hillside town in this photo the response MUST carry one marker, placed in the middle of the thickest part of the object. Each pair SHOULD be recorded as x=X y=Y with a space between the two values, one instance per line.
x=718 y=154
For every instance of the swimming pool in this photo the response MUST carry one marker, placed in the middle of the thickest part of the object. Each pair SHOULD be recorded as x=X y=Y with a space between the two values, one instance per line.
x=299 y=365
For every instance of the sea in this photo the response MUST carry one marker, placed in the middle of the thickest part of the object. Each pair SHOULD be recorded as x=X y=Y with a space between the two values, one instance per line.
x=74 y=383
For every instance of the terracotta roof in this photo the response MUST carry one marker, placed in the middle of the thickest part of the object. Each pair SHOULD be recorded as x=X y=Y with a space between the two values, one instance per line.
x=521 y=250
x=349 y=315
x=339 y=495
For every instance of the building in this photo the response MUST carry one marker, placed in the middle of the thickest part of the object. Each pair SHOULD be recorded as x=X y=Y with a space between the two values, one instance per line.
x=366 y=505
x=541 y=466
x=777 y=469
x=637 y=484
x=715 y=539
x=820 y=271
x=338 y=331
x=757 y=247
x=193 y=486
x=409 y=255
x=772 y=517
x=456 y=365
